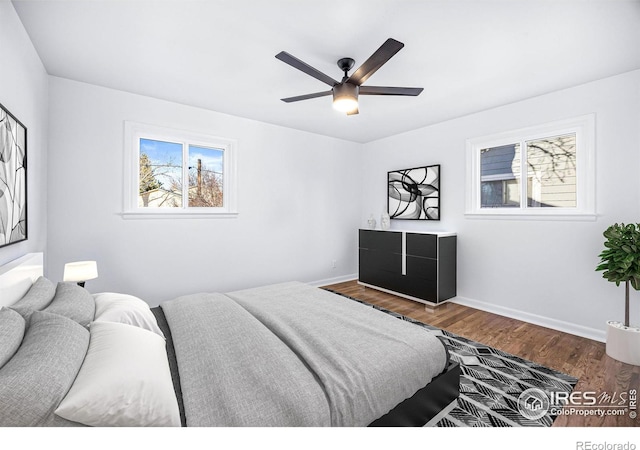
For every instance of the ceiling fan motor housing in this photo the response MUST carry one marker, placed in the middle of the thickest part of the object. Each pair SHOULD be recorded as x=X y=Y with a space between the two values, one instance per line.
x=345 y=96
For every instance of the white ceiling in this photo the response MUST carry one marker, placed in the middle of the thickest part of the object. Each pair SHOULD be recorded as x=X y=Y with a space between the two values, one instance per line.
x=219 y=54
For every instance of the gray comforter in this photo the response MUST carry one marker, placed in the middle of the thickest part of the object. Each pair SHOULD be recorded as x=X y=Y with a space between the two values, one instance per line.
x=294 y=355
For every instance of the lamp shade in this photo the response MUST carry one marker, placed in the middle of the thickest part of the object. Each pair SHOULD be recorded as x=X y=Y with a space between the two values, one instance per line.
x=80 y=271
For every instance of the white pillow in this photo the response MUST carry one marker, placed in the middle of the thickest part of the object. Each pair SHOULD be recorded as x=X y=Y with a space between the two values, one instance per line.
x=123 y=308
x=124 y=381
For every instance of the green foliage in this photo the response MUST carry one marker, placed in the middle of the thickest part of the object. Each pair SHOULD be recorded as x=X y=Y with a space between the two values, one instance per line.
x=620 y=261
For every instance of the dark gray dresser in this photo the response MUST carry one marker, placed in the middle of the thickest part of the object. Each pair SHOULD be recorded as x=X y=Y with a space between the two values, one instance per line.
x=414 y=265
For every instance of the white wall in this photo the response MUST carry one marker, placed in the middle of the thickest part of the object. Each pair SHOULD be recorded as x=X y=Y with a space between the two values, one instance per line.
x=542 y=271
x=298 y=202
x=297 y=196
x=23 y=91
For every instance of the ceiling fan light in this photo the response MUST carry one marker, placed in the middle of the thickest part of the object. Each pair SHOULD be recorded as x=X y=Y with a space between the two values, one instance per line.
x=345 y=97
x=345 y=104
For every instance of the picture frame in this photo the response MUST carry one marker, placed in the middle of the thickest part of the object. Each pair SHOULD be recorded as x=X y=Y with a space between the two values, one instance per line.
x=13 y=179
x=414 y=194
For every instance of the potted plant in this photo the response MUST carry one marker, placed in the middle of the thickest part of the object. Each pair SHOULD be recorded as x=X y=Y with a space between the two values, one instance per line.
x=620 y=262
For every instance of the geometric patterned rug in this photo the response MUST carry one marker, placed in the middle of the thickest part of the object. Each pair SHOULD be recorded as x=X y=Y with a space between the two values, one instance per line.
x=495 y=386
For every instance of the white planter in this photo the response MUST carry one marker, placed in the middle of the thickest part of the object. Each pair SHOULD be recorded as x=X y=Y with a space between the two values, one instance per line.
x=623 y=343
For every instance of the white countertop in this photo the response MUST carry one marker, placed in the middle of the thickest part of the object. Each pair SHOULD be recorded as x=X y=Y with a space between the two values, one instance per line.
x=437 y=233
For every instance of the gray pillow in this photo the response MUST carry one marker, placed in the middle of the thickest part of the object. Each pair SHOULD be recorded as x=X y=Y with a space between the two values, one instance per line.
x=11 y=333
x=37 y=297
x=36 y=379
x=74 y=302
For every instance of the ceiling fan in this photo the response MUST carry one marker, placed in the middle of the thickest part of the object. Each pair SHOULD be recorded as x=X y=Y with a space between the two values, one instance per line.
x=345 y=93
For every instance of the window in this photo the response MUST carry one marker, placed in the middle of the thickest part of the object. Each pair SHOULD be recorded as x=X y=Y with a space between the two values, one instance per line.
x=540 y=172
x=171 y=173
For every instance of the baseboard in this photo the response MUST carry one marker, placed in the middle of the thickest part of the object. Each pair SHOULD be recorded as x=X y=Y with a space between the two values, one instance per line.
x=547 y=322
x=340 y=279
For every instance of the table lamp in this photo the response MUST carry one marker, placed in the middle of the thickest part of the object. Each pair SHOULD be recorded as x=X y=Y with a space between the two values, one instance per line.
x=80 y=271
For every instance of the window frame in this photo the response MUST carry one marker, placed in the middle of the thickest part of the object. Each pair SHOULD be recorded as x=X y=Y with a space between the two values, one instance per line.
x=134 y=131
x=585 y=209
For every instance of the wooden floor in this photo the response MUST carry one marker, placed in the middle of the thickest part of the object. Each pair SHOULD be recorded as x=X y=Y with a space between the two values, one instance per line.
x=582 y=358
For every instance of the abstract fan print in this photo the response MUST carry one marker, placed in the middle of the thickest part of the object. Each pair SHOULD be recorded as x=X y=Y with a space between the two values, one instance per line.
x=13 y=179
x=414 y=193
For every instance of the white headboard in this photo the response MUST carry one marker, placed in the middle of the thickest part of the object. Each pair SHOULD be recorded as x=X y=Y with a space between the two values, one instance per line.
x=17 y=276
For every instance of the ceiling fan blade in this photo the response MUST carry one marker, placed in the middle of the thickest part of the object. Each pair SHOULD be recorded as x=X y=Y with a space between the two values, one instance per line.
x=306 y=96
x=353 y=112
x=375 y=61
x=306 y=68
x=386 y=90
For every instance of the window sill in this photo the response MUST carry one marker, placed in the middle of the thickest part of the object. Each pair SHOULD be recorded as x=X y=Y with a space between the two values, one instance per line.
x=555 y=216
x=177 y=215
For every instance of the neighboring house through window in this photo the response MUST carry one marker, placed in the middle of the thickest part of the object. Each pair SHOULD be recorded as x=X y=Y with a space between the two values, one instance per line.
x=544 y=171
x=170 y=173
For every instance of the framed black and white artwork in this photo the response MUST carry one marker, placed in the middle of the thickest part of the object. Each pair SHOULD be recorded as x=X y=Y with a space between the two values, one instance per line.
x=13 y=179
x=414 y=194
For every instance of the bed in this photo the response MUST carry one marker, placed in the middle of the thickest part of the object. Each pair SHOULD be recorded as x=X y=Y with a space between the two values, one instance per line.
x=282 y=355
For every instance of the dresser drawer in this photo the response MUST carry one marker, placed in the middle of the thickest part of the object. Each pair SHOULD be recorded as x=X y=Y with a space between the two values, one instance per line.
x=423 y=268
x=420 y=288
x=425 y=245
x=380 y=260
x=381 y=278
x=381 y=240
